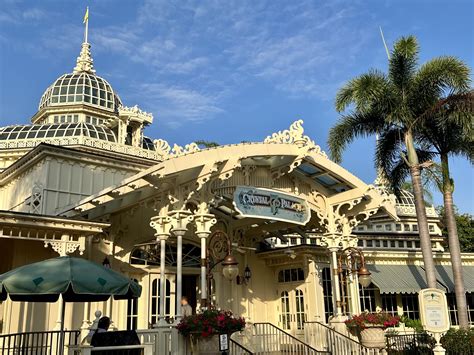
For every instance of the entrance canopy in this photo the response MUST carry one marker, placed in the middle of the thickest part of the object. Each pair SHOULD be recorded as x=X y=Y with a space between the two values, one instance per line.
x=288 y=164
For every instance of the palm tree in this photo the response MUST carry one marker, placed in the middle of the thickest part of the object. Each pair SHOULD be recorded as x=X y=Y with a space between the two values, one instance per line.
x=391 y=105
x=447 y=128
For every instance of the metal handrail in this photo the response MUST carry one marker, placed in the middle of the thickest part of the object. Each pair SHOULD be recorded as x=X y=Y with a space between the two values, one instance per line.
x=335 y=331
x=243 y=349
x=298 y=342
x=337 y=342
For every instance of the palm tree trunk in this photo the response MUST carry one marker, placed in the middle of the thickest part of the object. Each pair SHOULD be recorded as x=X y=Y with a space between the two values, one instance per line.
x=454 y=248
x=422 y=220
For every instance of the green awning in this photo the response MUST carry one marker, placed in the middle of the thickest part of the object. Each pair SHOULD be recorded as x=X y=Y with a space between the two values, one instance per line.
x=444 y=274
x=398 y=278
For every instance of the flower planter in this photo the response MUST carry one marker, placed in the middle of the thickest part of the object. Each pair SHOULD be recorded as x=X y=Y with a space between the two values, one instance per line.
x=205 y=346
x=373 y=337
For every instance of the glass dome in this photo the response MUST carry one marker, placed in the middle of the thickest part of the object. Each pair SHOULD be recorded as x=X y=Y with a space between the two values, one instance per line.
x=81 y=88
x=405 y=198
x=57 y=131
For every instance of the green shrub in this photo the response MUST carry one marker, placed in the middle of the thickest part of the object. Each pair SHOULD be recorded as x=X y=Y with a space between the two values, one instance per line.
x=412 y=323
x=458 y=342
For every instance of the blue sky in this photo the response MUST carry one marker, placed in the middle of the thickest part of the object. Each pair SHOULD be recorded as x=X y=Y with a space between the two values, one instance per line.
x=227 y=71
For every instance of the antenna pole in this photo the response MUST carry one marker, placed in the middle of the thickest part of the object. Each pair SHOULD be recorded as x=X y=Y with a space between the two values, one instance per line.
x=385 y=44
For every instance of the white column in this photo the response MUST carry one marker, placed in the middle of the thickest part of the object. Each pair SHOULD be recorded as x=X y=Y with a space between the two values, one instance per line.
x=60 y=313
x=180 y=220
x=162 y=278
x=204 y=221
x=203 y=237
x=85 y=320
x=162 y=224
x=335 y=283
x=179 y=274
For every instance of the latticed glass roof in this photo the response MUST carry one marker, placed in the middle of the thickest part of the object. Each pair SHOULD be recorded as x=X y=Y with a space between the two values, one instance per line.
x=57 y=131
x=405 y=198
x=81 y=88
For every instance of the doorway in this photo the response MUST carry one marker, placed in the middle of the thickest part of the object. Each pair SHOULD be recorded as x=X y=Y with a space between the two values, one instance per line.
x=190 y=290
x=292 y=310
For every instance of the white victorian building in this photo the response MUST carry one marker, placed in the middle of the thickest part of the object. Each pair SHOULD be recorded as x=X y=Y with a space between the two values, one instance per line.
x=83 y=179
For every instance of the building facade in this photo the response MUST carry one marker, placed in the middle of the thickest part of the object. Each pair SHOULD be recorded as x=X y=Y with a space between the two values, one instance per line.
x=82 y=179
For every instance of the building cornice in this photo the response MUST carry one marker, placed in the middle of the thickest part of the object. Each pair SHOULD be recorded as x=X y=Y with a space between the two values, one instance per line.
x=45 y=150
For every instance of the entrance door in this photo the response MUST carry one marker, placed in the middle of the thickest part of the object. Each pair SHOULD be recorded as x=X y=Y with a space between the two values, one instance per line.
x=155 y=297
x=190 y=290
x=292 y=311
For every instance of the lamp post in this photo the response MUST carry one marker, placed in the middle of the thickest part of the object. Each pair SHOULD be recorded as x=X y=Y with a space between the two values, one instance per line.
x=351 y=255
x=355 y=262
x=220 y=249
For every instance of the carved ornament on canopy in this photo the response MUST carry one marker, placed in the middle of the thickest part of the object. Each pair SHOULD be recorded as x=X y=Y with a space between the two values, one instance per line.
x=295 y=135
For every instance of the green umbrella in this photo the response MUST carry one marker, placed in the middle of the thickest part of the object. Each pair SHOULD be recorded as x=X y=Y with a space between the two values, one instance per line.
x=75 y=279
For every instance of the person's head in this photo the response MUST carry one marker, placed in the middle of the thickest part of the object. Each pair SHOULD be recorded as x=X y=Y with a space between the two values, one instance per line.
x=184 y=300
x=104 y=323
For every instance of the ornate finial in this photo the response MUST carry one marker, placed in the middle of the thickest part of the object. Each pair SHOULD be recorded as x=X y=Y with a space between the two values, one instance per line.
x=295 y=135
x=85 y=61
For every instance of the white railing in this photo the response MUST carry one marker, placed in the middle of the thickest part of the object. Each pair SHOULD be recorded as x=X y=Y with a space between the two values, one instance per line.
x=165 y=339
x=324 y=338
x=144 y=349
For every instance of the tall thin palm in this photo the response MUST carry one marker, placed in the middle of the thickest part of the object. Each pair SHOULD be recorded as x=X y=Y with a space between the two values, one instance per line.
x=447 y=128
x=391 y=105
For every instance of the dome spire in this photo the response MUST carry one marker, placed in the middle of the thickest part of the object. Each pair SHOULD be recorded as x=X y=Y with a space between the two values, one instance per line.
x=84 y=61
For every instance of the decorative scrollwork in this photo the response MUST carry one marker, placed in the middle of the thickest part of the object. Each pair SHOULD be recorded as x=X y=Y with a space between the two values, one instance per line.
x=218 y=245
x=295 y=135
x=164 y=149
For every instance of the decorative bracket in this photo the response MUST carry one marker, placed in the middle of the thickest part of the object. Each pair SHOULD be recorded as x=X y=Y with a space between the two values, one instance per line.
x=66 y=245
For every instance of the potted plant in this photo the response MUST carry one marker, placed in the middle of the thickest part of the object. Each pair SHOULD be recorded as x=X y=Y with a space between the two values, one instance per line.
x=204 y=328
x=370 y=327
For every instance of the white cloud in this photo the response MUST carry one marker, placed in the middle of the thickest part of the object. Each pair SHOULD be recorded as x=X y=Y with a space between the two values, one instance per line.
x=177 y=105
x=193 y=55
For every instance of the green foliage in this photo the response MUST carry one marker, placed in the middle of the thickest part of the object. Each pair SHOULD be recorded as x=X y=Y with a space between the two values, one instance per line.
x=458 y=341
x=206 y=144
x=412 y=323
x=465 y=226
x=396 y=105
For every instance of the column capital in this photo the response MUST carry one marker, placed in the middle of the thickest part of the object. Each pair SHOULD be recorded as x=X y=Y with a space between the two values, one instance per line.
x=162 y=225
x=204 y=223
x=180 y=220
x=333 y=241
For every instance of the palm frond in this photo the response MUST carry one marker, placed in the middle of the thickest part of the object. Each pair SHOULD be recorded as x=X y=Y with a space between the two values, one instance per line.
x=388 y=149
x=361 y=91
x=399 y=174
x=437 y=78
x=403 y=62
x=350 y=127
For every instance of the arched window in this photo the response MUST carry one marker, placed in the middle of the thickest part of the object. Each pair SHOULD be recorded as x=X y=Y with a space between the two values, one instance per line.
x=155 y=300
x=149 y=254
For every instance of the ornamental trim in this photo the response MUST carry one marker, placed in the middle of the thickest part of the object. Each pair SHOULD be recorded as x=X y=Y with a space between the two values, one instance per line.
x=295 y=135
